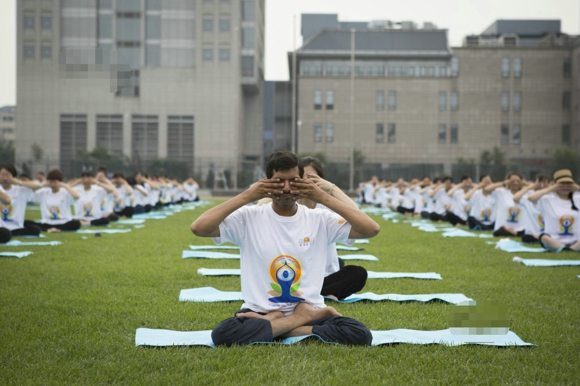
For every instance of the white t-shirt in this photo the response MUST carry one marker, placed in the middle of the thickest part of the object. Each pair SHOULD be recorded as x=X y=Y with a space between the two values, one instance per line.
x=107 y=203
x=428 y=202
x=190 y=191
x=12 y=215
x=121 y=201
x=88 y=206
x=461 y=208
x=443 y=203
x=54 y=207
x=482 y=207
x=508 y=213
x=369 y=193
x=381 y=196
x=532 y=219
x=283 y=258
x=137 y=198
x=561 y=221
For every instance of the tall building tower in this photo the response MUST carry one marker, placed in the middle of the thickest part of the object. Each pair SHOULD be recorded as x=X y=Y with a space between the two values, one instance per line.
x=144 y=79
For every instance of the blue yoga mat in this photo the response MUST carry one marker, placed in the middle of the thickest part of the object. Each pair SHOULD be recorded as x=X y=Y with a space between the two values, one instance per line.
x=131 y=221
x=345 y=248
x=20 y=255
x=406 y=275
x=18 y=243
x=91 y=231
x=545 y=262
x=464 y=233
x=210 y=294
x=359 y=256
x=512 y=246
x=208 y=255
x=164 y=338
x=224 y=247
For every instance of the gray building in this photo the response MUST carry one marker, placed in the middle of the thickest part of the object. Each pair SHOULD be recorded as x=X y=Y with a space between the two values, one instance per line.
x=413 y=100
x=143 y=79
x=7 y=123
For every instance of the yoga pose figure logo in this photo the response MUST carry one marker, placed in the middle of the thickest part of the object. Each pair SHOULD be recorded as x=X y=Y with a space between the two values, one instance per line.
x=6 y=211
x=467 y=210
x=88 y=209
x=513 y=214
x=286 y=272
x=485 y=215
x=566 y=226
x=540 y=219
x=54 y=212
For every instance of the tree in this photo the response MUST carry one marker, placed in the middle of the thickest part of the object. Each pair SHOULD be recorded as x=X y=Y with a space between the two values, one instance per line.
x=7 y=151
x=359 y=158
x=319 y=156
x=485 y=158
x=567 y=158
x=37 y=152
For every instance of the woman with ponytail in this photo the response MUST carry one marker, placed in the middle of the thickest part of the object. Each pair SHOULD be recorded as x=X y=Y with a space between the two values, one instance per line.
x=561 y=215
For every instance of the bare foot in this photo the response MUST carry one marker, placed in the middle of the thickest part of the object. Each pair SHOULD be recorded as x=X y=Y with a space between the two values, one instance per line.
x=254 y=315
x=332 y=297
x=50 y=230
x=307 y=310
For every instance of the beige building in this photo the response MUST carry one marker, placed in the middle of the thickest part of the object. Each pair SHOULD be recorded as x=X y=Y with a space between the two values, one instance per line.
x=415 y=100
x=144 y=79
x=7 y=123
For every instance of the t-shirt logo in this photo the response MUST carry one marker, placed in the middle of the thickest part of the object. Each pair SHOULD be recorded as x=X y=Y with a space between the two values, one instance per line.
x=513 y=214
x=88 y=209
x=540 y=219
x=566 y=226
x=285 y=271
x=118 y=202
x=424 y=203
x=103 y=202
x=467 y=210
x=485 y=214
x=447 y=208
x=305 y=242
x=6 y=212
x=54 y=212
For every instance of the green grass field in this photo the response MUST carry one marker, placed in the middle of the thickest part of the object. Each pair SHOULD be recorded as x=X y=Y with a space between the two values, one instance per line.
x=69 y=313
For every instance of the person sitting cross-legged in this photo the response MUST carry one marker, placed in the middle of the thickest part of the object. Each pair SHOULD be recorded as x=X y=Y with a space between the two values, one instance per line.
x=283 y=249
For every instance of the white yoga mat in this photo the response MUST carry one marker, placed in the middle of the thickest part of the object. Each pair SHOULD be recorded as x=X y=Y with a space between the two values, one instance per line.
x=89 y=231
x=512 y=246
x=545 y=262
x=464 y=233
x=219 y=271
x=41 y=236
x=208 y=255
x=20 y=255
x=153 y=216
x=210 y=294
x=224 y=247
x=18 y=243
x=345 y=248
x=165 y=338
x=131 y=221
x=398 y=275
x=359 y=256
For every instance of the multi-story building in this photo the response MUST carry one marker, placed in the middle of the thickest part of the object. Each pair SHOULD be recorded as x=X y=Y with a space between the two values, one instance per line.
x=7 y=123
x=414 y=100
x=277 y=116
x=144 y=79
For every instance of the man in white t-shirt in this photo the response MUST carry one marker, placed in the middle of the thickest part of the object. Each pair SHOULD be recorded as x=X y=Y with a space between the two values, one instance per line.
x=482 y=216
x=92 y=193
x=55 y=200
x=441 y=200
x=283 y=249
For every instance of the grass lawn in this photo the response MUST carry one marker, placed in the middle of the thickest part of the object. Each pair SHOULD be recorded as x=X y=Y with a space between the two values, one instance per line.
x=69 y=313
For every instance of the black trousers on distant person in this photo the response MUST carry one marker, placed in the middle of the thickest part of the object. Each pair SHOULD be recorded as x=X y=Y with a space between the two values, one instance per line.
x=30 y=229
x=438 y=217
x=475 y=224
x=5 y=235
x=72 y=225
x=344 y=282
x=455 y=219
x=127 y=211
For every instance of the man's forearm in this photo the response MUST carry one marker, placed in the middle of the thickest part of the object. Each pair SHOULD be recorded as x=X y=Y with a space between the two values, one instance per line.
x=360 y=222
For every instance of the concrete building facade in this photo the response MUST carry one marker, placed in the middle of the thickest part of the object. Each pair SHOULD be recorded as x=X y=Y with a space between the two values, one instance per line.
x=144 y=79
x=7 y=123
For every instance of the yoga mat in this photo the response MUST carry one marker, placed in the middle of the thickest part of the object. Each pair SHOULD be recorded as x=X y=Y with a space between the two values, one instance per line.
x=361 y=241
x=154 y=216
x=359 y=257
x=131 y=221
x=397 y=275
x=164 y=338
x=208 y=255
x=345 y=248
x=448 y=298
x=545 y=262
x=512 y=246
x=104 y=231
x=464 y=233
x=41 y=236
x=428 y=228
x=219 y=272
x=196 y=247
x=18 y=243
x=20 y=255
x=210 y=294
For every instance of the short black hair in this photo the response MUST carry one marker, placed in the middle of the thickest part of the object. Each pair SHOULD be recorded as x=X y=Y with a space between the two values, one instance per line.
x=283 y=160
x=514 y=174
x=11 y=169
x=55 y=174
x=543 y=178
x=87 y=174
x=483 y=176
x=102 y=169
x=119 y=175
x=447 y=178
x=465 y=177
x=313 y=162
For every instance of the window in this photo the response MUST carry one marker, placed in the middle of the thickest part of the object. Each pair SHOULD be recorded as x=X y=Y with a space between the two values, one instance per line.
x=249 y=10
x=505 y=101
x=129 y=83
x=224 y=25
x=442 y=133
x=46 y=22
x=567 y=68
x=105 y=26
x=153 y=55
x=505 y=134
x=28 y=51
x=46 y=52
x=129 y=27
x=329 y=132
x=443 y=71
x=380 y=101
x=317 y=132
x=392 y=133
x=329 y=100
x=153 y=26
x=453 y=133
x=317 y=100
x=380 y=133
x=248 y=38
x=73 y=137
x=566 y=101
x=517 y=134
x=442 y=100
x=454 y=66
x=392 y=100
x=153 y=5
x=517 y=100
x=106 y=4
x=517 y=67
x=207 y=54
x=566 y=135
x=505 y=67
x=247 y=65
x=145 y=137
x=180 y=137
x=454 y=101
x=207 y=25
x=110 y=133
x=129 y=6
x=28 y=21
x=224 y=54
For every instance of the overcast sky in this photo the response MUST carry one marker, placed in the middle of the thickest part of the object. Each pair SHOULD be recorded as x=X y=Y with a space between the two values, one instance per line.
x=459 y=17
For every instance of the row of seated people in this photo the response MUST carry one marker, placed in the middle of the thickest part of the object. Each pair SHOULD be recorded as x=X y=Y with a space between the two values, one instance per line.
x=96 y=199
x=513 y=207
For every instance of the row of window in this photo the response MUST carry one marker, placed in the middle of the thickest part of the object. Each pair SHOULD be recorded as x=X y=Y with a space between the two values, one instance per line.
x=29 y=21
x=135 y=5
